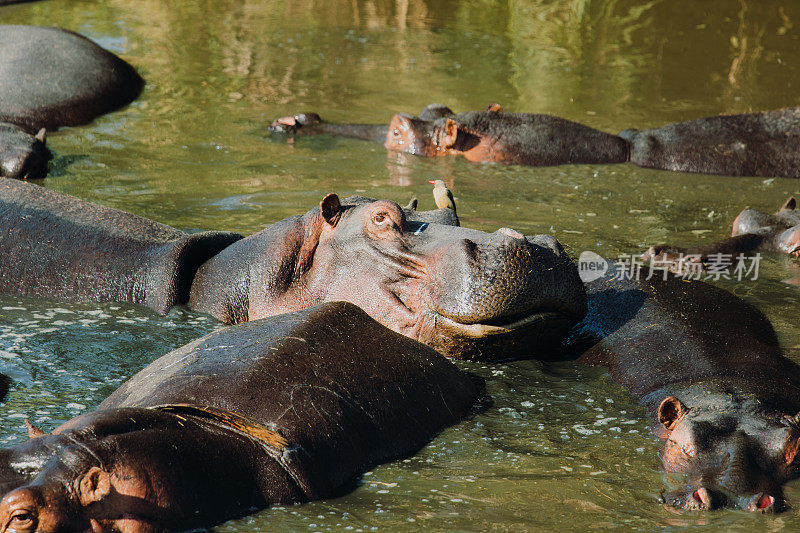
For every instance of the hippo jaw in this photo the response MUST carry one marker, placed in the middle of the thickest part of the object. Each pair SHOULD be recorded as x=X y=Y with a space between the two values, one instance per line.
x=735 y=454
x=480 y=295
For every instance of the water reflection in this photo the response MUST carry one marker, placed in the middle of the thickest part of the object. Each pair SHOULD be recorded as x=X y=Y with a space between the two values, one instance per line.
x=563 y=446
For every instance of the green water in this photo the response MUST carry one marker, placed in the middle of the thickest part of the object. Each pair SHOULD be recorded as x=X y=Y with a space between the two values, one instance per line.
x=564 y=447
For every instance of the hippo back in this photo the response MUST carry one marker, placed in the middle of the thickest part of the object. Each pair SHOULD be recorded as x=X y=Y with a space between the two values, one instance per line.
x=661 y=334
x=749 y=144
x=61 y=248
x=343 y=391
x=53 y=77
x=539 y=140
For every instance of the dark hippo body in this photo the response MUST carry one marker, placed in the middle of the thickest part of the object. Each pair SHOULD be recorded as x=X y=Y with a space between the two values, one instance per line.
x=283 y=410
x=753 y=231
x=53 y=78
x=750 y=144
x=61 y=248
x=510 y=138
x=485 y=136
x=465 y=292
x=709 y=368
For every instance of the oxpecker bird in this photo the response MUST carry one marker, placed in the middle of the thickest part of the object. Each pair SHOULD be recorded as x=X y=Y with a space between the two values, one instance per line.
x=442 y=195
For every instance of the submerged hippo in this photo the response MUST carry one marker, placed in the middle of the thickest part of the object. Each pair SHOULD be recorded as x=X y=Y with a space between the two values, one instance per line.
x=723 y=398
x=753 y=231
x=750 y=144
x=468 y=293
x=282 y=410
x=481 y=136
x=53 y=78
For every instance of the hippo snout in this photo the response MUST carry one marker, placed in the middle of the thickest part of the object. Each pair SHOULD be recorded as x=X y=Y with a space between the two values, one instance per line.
x=501 y=295
x=22 y=164
x=502 y=277
x=709 y=498
x=22 y=155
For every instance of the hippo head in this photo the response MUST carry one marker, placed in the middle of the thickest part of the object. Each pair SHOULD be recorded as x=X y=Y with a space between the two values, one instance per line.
x=735 y=451
x=422 y=137
x=102 y=471
x=22 y=155
x=781 y=228
x=467 y=293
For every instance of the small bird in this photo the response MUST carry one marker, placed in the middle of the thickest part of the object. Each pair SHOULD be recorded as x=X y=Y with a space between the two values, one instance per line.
x=442 y=195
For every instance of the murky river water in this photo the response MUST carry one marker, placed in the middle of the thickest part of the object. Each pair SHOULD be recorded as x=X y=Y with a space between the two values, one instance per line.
x=563 y=447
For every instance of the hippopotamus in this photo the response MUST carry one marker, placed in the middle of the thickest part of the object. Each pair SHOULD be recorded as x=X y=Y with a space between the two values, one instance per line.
x=482 y=136
x=468 y=293
x=61 y=248
x=724 y=399
x=749 y=144
x=277 y=411
x=52 y=78
x=753 y=231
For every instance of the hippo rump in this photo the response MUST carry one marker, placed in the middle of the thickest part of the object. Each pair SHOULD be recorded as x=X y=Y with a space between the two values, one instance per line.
x=53 y=78
x=193 y=439
x=467 y=293
x=61 y=248
x=753 y=231
x=724 y=399
x=750 y=144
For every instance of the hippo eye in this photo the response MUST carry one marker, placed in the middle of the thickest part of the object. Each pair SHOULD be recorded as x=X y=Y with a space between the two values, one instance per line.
x=380 y=219
x=22 y=518
x=396 y=132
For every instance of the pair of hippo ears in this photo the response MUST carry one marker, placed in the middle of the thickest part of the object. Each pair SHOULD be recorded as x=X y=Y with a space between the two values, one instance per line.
x=445 y=131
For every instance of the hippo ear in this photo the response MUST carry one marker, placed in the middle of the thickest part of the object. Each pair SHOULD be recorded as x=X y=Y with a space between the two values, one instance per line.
x=412 y=205
x=445 y=134
x=494 y=108
x=670 y=411
x=33 y=431
x=331 y=209
x=41 y=135
x=789 y=205
x=94 y=485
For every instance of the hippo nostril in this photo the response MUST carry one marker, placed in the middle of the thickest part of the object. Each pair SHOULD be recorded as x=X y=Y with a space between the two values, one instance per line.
x=514 y=234
x=704 y=498
x=762 y=503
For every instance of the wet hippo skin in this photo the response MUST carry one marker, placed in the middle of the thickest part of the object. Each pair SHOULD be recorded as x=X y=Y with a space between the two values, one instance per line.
x=711 y=372
x=748 y=144
x=468 y=293
x=53 y=78
x=61 y=248
x=277 y=411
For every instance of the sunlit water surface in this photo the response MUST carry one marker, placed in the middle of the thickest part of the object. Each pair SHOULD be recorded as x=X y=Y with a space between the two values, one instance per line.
x=563 y=447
